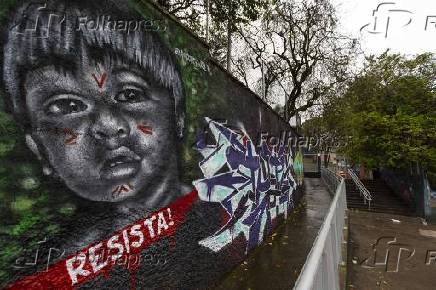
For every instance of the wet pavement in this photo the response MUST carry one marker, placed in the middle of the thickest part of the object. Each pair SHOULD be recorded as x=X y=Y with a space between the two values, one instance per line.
x=390 y=252
x=277 y=263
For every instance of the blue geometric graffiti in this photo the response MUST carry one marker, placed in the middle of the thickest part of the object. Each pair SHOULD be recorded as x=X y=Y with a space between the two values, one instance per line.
x=253 y=186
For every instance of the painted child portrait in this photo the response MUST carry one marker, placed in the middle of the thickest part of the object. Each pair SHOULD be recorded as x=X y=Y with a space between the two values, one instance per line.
x=102 y=109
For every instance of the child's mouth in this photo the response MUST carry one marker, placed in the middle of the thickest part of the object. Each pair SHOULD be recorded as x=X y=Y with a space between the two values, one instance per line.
x=120 y=164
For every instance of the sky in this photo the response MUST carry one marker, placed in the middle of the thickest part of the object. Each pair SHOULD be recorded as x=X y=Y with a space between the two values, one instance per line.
x=407 y=27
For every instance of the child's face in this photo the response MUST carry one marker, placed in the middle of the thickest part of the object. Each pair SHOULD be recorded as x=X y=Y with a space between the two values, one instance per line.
x=106 y=130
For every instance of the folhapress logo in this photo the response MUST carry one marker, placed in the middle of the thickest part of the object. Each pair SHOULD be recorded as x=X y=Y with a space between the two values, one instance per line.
x=387 y=253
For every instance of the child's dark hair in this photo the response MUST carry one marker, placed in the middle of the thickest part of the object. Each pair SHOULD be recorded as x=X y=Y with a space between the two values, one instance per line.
x=25 y=48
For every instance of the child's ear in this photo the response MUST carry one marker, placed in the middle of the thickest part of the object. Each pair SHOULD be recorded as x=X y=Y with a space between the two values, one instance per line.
x=31 y=144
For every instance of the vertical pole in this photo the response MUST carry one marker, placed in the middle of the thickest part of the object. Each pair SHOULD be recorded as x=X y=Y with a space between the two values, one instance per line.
x=263 y=80
x=229 y=36
x=319 y=162
x=229 y=45
x=207 y=3
x=286 y=106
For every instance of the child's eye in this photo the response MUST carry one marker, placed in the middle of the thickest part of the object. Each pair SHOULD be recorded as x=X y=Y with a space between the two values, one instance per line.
x=131 y=96
x=65 y=107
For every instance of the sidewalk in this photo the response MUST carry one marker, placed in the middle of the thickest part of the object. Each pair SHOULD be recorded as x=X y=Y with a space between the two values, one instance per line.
x=390 y=252
x=276 y=264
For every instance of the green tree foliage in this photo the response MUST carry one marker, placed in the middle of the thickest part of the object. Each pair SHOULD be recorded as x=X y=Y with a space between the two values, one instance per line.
x=389 y=112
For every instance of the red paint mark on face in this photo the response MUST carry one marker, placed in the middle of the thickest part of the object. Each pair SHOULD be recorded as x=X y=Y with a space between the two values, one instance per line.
x=70 y=136
x=100 y=81
x=147 y=130
x=122 y=188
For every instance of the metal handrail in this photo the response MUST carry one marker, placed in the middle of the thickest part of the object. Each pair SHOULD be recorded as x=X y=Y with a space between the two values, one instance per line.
x=321 y=269
x=331 y=179
x=362 y=189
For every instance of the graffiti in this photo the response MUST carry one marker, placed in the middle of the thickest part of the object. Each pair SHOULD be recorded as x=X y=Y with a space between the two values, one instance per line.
x=100 y=108
x=255 y=188
x=124 y=245
x=109 y=153
x=298 y=168
x=192 y=60
x=130 y=239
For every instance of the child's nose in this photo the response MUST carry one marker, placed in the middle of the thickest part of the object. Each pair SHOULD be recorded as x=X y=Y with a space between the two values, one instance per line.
x=110 y=128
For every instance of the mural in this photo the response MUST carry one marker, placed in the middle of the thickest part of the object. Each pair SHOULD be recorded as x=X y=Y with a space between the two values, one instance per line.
x=117 y=170
x=298 y=167
x=99 y=109
x=254 y=189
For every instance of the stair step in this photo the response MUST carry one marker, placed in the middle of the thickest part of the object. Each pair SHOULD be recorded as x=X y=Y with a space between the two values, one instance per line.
x=400 y=212
x=390 y=212
x=376 y=201
x=383 y=199
x=378 y=207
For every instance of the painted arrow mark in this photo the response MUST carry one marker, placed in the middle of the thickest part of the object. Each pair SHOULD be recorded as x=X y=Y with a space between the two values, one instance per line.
x=100 y=81
x=122 y=188
x=147 y=130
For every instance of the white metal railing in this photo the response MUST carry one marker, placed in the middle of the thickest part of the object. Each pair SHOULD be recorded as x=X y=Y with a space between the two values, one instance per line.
x=321 y=270
x=330 y=178
x=362 y=189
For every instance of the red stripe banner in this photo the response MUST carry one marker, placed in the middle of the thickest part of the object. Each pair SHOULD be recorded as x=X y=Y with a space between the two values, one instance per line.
x=99 y=258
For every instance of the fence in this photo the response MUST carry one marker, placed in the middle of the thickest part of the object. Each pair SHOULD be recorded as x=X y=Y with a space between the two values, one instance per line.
x=362 y=189
x=331 y=179
x=321 y=270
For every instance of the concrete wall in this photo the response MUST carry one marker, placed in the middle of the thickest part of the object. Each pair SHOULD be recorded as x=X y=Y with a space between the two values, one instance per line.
x=411 y=186
x=128 y=158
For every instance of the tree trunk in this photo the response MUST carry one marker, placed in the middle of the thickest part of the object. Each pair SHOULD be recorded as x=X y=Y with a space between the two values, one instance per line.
x=263 y=82
x=229 y=44
x=164 y=3
x=207 y=19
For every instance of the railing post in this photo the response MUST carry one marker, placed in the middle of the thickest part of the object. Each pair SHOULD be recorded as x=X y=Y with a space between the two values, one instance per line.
x=362 y=189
